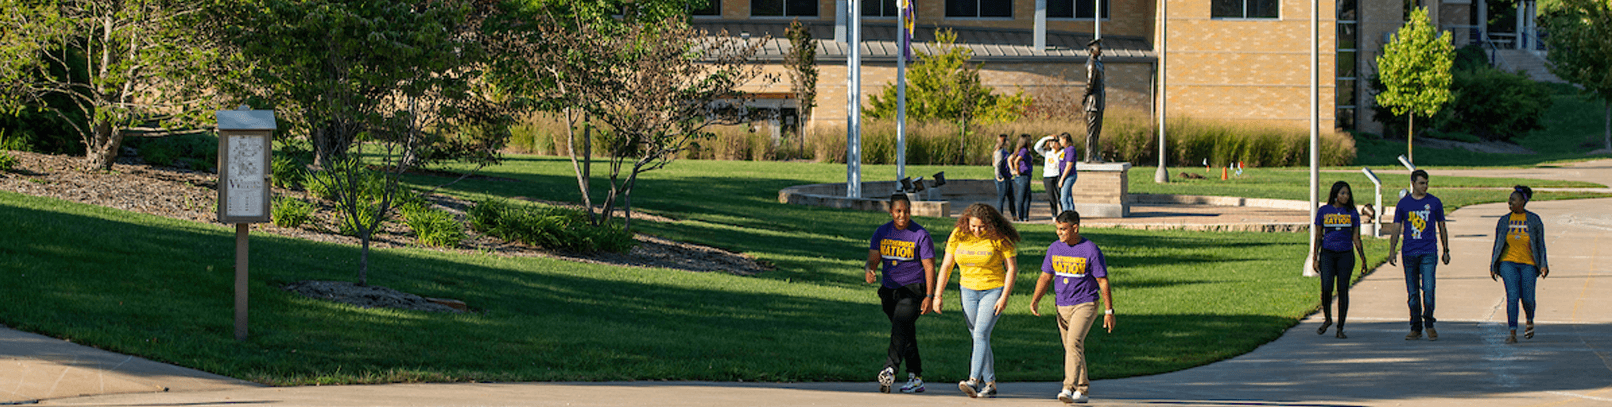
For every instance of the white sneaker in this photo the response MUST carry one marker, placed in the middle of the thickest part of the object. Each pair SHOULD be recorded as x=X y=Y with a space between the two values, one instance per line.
x=1066 y=396
x=887 y=378
x=1080 y=397
x=914 y=384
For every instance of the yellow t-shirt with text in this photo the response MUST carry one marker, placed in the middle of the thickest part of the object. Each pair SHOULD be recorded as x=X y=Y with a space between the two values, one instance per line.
x=1518 y=244
x=982 y=261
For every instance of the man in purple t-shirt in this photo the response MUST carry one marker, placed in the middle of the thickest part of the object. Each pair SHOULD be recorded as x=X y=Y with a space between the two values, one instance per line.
x=906 y=254
x=1078 y=271
x=1417 y=214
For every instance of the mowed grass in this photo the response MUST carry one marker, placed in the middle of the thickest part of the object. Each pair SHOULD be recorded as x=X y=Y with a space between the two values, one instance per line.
x=162 y=289
x=1294 y=184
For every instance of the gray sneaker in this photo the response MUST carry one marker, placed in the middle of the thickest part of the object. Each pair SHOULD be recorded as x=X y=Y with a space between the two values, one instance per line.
x=887 y=378
x=989 y=391
x=969 y=387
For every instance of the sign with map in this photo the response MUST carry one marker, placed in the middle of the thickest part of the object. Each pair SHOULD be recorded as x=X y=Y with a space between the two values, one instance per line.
x=243 y=165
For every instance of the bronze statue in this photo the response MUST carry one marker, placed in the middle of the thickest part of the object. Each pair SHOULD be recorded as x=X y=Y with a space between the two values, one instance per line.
x=1093 y=100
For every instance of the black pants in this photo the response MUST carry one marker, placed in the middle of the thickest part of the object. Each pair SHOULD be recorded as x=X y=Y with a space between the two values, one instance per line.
x=1051 y=184
x=1006 y=200
x=902 y=305
x=1336 y=268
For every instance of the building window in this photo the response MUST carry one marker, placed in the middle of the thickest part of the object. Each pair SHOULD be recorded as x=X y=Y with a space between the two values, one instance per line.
x=712 y=8
x=1347 y=102
x=1077 y=9
x=783 y=8
x=1244 y=9
x=979 y=8
x=879 y=8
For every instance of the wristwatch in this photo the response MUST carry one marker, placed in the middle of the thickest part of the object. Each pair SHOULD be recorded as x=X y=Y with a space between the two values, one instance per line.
x=1110 y=311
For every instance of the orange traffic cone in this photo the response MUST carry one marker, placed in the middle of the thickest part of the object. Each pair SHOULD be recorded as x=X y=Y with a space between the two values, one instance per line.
x=1223 y=173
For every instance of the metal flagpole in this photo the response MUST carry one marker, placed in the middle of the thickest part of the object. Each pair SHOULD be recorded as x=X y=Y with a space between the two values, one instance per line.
x=1315 y=129
x=901 y=88
x=1163 y=175
x=853 y=99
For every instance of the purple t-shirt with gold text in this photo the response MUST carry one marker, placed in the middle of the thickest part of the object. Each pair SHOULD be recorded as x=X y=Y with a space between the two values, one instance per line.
x=1335 y=224
x=1075 y=270
x=901 y=252
x=1418 y=219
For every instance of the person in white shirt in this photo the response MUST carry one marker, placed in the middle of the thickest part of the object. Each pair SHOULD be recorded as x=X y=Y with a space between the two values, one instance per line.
x=1051 y=152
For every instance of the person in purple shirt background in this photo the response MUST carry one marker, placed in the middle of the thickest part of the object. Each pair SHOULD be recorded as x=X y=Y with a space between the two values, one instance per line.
x=906 y=254
x=1416 y=214
x=1339 y=232
x=1078 y=271
x=1066 y=189
x=1019 y=162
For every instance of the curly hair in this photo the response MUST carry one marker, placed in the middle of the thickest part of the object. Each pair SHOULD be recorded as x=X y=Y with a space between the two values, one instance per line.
x=996 y=226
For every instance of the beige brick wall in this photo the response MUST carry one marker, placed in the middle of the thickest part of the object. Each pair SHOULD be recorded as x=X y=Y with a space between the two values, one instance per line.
x=1249 y=70
x=1129 y=17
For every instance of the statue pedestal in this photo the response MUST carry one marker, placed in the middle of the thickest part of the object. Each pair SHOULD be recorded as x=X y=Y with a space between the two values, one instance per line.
x=1103 y=190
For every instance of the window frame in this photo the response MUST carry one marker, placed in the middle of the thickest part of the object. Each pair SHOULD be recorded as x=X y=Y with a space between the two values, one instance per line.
x=1245 y=8
x=977 y=8
x=784 y=4
x=1108 y=9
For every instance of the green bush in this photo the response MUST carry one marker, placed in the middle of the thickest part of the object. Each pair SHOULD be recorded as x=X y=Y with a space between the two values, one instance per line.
x=290 y=212
x=366 y=216
x=288 y=172
x=1495 y=105
x=7 y=162
x=547 y=227
x=197 y=151
x=432 y=227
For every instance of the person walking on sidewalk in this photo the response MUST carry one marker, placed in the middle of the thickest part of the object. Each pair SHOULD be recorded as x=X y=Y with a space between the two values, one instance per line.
x=1338 y=229
x=1078 y=271
x=906 y=254
x=1004 y=176
x=1020 y=163
x=984 y=246
x=1051 y=152
x=1519 y=258
x=1417 y=214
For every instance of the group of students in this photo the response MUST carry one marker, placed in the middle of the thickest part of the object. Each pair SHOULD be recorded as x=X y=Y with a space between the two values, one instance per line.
x=1012 y=164
x=1518 y=257
x=984 y=248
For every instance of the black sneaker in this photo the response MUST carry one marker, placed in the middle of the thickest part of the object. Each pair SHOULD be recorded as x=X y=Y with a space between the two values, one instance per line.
x=887 y=378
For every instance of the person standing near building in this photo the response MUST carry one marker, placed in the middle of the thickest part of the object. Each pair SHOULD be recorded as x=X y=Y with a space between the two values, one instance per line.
x=1078 y=271
x=984 y=247
x=906 y=254
x=1417 y=214
x=1004 y=176
x=1519 y=258
x=1094 y=100
x=1051 y=155
x=1066 y=173
x=1339 y=232
x=1020 y=163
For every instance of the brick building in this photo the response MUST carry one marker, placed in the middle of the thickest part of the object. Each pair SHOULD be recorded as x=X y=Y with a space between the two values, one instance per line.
x=1238 y=60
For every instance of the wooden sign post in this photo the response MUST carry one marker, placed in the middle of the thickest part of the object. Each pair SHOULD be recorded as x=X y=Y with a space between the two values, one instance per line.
x=244 y=147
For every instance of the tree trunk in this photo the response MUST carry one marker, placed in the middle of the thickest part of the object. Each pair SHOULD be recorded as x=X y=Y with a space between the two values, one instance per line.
x=363 y=259
x=330 y=142
x=101 y=150
x=1410 y=135
x=582 y=169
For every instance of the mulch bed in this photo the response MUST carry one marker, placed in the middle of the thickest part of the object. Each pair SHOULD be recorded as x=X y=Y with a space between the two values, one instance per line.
x=191 y=195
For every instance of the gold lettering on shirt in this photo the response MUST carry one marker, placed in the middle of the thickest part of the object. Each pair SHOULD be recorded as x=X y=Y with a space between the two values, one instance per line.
x=897 y=249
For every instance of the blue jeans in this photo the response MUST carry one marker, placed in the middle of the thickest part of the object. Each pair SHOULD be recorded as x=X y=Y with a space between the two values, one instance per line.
x=1005 y=197
x=979 y=310
x=1419 y=284
x=1520 y=279
x=1021 y=186
x=1066 y=194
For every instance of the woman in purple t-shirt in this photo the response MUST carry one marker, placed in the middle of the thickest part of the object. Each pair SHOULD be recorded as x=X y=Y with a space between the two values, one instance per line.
x=907 y=255
x=1020 y=165
x=1338 y=229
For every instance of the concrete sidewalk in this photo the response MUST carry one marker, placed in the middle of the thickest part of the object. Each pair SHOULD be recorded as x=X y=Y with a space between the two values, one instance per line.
x=34 y=367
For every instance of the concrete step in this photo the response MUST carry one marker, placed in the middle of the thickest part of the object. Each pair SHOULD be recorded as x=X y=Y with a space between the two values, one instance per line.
x=1531 y=64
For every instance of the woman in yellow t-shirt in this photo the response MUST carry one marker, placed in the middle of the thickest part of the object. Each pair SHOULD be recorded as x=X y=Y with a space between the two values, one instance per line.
x=1519 y=258
x=984 y=246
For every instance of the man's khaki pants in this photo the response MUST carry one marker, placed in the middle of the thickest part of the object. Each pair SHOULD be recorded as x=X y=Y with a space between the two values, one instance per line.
x=1074 y=321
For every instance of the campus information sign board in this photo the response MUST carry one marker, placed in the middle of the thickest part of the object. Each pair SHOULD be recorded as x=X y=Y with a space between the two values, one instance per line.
x=243 y=165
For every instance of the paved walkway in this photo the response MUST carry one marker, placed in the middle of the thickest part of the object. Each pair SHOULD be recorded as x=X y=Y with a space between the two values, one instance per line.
x=1569 y=362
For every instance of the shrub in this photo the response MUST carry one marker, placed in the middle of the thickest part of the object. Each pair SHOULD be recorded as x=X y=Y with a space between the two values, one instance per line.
x=7 y=162
x=288 y=172
x=1495 y=105
x=197 y=151
x=290 y=212
x=366 y=214
x=548 y=227
x=432 y=227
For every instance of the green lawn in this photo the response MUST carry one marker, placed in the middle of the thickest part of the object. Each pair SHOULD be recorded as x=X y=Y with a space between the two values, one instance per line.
x=1573 y=126
x=1294 y=184
x=161 y=289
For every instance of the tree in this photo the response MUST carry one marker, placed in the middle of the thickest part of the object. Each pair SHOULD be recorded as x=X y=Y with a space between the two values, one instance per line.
x=801 y=62
x=654 y=85
x=1415 y=69
x=119 y=65
x=944 y=86
x=1580 y=44
x=379 y=87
